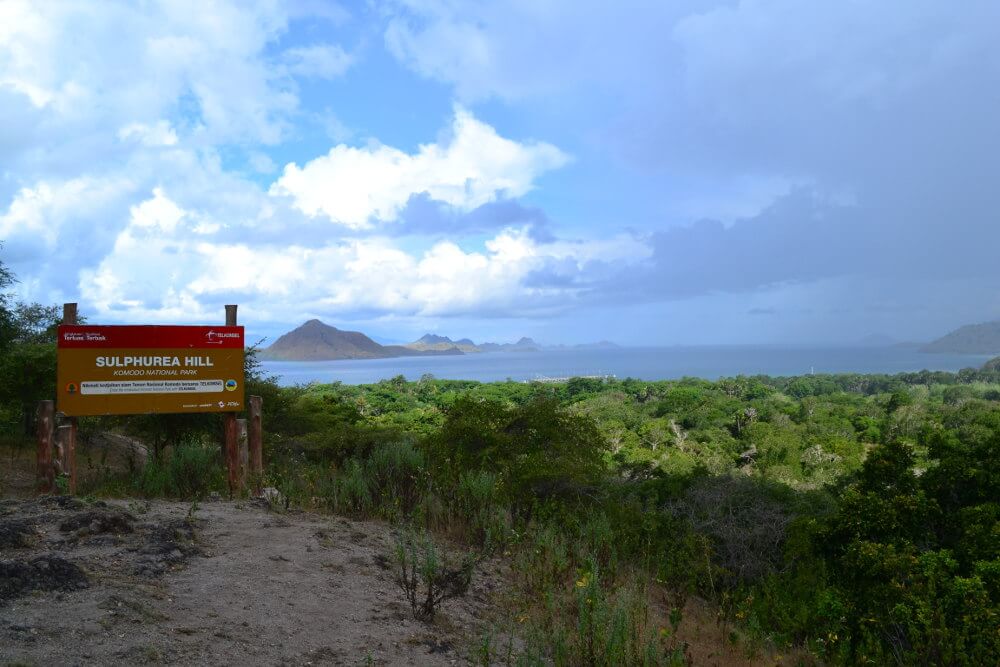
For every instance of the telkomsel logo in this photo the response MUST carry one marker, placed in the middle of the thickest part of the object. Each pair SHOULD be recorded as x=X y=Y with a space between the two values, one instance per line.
x=216 y=337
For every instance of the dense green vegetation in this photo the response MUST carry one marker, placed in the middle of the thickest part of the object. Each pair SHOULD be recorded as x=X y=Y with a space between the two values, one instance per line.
x=851 y=519
x=856 y=516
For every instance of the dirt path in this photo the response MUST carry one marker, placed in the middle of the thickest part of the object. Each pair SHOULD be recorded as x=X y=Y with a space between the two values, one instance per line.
x=136 y=583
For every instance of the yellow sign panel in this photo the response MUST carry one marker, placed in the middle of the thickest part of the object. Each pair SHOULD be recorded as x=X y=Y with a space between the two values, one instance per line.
x=123 y=370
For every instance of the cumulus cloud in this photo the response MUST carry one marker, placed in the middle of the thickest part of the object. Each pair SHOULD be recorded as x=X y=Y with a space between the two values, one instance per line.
x=157 y=269
x=130 y=64
x=40 y=215
x=475 y=166
x=99 y=81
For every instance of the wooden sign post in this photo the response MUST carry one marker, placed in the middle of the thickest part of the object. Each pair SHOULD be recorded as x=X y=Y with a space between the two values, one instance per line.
x=45 y=419
x=255 y=438
x=68 y=436
x=230 y=428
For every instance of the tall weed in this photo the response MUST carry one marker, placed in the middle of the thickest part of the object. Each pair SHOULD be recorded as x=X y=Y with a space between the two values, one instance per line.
x=190 y=470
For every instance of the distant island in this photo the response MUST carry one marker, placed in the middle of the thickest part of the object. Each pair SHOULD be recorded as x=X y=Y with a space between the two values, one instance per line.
x=317 y=341
x=971 y=339
x=434 y=342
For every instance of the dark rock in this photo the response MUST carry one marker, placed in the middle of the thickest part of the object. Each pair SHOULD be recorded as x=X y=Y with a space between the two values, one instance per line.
x=62 y=502
x=98 y=521
x=17 y=533
x=167 y=545
x=43 y=573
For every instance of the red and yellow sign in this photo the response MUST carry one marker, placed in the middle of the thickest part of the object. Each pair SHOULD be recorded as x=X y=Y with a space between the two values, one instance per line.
x=127 y=370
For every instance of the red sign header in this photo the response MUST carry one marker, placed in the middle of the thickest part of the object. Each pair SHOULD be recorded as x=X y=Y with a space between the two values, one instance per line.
x=139 y=337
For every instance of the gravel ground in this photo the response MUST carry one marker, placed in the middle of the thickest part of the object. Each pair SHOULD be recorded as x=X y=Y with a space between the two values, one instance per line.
x=228 y=583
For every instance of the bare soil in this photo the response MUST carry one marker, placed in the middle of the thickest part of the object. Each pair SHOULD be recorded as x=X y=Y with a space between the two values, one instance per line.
x=229 y=583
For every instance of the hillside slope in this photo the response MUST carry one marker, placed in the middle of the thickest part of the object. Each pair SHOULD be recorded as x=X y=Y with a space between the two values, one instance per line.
x=971 y=339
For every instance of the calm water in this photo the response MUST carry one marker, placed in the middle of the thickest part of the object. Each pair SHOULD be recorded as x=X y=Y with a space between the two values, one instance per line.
x=662 y=363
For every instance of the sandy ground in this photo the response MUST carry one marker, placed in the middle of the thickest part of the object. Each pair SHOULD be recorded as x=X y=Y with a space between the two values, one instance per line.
x=230 y=583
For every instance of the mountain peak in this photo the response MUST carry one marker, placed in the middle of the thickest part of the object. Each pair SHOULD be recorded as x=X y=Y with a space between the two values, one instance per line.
x=316 y=340
x=434 y=339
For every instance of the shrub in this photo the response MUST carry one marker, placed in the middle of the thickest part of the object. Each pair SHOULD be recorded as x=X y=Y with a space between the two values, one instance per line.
x=482 y=510
x=426 y=575
x=389 y=483
x=744 y=522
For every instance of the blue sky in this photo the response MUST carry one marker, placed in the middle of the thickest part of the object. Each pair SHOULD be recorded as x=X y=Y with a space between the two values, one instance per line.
x=747 y=171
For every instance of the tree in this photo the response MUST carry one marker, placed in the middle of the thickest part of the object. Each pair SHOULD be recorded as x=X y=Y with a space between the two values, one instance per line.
x=27 y=354
x=6 y=315
x=537 y=449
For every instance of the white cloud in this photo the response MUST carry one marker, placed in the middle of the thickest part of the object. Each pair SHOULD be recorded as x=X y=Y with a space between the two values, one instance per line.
x=157 y=269
x=159 y=212
x=119 y=121
x=105 y=77
x=322 y=61
x=159 y=134
x=37 y=215
x=476 y=166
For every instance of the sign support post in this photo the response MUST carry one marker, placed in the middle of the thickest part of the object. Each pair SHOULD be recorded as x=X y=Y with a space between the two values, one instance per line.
x=255 y=437
x=69 y=435
x=230 y=428
x=243 y=452
x=45 y=427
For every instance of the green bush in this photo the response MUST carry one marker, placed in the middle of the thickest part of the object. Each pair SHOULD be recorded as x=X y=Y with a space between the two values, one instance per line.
x=427 y=575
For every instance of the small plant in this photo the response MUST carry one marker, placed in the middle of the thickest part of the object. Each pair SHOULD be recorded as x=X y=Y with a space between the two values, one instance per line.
x=484 y=651
x=139 y=506
x=426 y=576
x=192 y=510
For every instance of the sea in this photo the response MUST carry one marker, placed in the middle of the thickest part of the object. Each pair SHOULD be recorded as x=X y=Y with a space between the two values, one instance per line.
x=645 y=363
